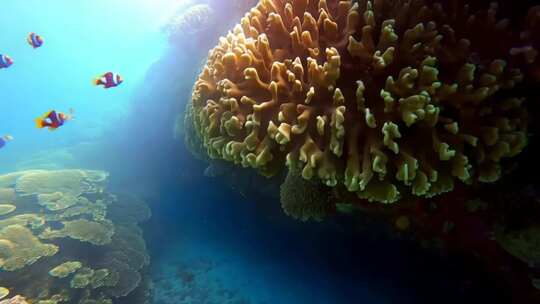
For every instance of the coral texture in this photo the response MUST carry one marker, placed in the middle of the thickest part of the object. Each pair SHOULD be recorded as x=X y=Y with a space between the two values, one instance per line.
x=69 y=240
x=304 y=199
x=65 y=269
x=385 y=98
x=4 y=292
x=15 y=300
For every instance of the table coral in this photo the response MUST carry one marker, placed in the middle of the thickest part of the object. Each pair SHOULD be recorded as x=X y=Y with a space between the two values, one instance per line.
x=19 y=248
x=7 y=195
x=97 y=233
x=57 y=200
x=72 y=182
x=100 y=254
x=4 y=292
x=65 y=269
x=6 y=209
x=15 y=300
x=385 y=98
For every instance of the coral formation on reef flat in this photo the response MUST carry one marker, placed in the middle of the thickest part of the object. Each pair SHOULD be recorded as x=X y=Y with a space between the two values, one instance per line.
x=15 y=300
x=69 y=240
x=378 y=98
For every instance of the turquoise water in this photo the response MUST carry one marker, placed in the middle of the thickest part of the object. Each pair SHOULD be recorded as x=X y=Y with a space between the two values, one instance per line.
x=208 y=243
x=83 y=39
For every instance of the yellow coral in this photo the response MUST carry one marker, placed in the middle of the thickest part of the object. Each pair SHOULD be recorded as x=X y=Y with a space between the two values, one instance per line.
x=74 y=182
x=97 y=233
x=57 y=200
x=65 y=269
x=6 y=209
x=19 y=248
x=7 y=195
x=382 y=97
x=31 y=220
x=4 y=292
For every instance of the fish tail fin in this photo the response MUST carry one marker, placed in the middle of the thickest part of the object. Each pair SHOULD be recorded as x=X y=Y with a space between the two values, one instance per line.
x=96 y=81
x=39 y=123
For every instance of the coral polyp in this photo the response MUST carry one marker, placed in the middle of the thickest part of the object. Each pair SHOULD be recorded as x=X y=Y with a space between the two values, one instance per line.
x=381 y=97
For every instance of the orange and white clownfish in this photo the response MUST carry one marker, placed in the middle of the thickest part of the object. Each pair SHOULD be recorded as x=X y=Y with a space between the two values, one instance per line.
x=108 y=80
x=34 y=40
x=53 y=120
x=4 y=139
x=5 y=61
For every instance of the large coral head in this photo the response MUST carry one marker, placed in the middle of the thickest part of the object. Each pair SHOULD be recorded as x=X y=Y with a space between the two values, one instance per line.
x=380 y=97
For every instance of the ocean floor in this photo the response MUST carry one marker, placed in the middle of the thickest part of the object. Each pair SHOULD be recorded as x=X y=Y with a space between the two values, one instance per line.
x=215 y=246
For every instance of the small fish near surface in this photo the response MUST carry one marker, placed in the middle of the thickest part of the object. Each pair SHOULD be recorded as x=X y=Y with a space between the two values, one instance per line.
x=108 y=80
x=5 y=61
x=35 y=40
x=4 y=139
x=53 y=120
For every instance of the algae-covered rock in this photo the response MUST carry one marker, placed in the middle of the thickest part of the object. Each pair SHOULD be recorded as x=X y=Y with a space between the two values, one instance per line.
x=6 y=209
x=65 y=269
x=19 y=248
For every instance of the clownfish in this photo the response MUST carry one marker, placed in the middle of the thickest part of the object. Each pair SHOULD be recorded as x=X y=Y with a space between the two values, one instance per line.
x=4 y=139
x=108 y=80
x=5 y=61
x=34 y=40
x=53 y=120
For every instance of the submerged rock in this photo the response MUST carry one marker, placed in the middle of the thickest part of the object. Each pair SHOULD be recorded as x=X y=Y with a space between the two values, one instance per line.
x=67 y=239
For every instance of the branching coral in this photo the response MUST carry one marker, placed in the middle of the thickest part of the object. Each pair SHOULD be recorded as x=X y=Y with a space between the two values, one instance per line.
x=382 y=97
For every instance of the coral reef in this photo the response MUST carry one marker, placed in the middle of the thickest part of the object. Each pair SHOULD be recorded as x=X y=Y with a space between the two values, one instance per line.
x=65 y=269
x=6 y=208
x=381 y=98
x=15 y=300
x=304 y=199
x=190 y=21
x=4 y=292
x=70 y=240
x=524 y=244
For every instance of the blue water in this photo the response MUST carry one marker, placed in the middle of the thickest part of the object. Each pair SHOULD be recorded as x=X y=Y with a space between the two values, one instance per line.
x=208 y=243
